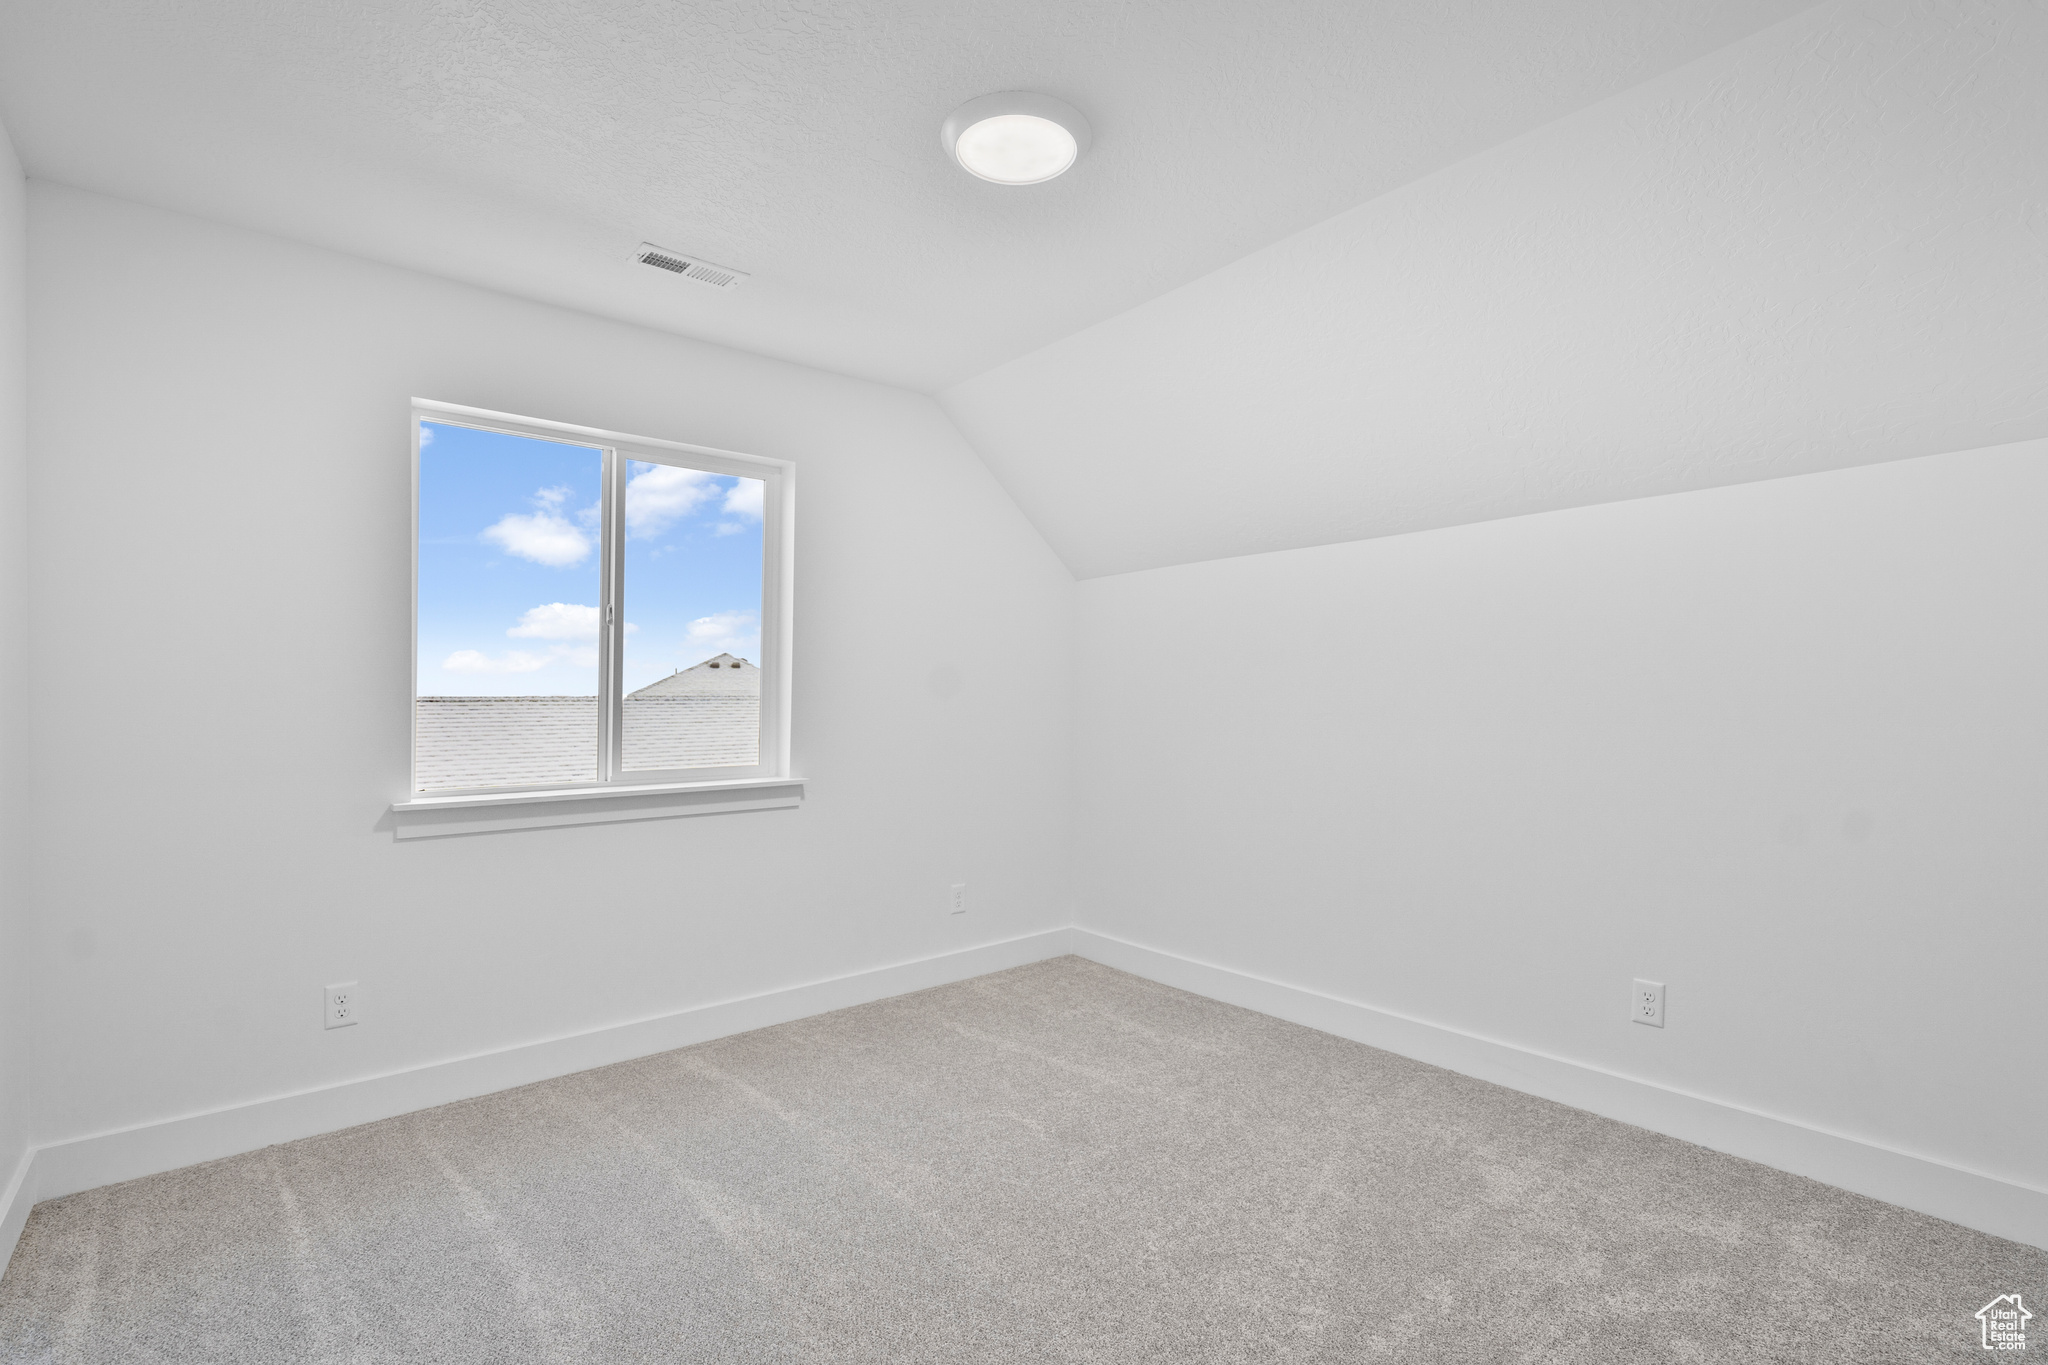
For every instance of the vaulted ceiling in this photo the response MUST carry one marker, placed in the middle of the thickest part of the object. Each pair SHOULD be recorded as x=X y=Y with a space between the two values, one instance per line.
x=530 y=145
x=1823 y=246
x=1332 y=269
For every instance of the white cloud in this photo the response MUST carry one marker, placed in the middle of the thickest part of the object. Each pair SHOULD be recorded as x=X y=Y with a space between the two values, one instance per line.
x=426 y=435
x=662 y=494
x=522 y=661
x=557 y=621
x=730 y=528
x=727 y=632
x=517 y=661
x=743 y=499
x=545 y=537
x=571 y=625
x=723 y=624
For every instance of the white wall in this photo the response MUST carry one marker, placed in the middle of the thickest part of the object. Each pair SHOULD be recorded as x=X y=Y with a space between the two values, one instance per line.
x=16 y=1020
x=221 y=621
x=1798 y=253
x=1781 y=746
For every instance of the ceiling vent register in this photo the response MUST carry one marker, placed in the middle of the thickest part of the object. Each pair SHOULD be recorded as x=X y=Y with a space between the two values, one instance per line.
x=690 y=268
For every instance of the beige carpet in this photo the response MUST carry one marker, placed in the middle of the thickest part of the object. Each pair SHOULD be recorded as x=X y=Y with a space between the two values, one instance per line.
x=1056 y=1163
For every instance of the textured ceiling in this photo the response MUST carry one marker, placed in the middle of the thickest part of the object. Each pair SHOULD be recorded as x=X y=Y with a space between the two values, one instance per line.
x=1823 y=246
x=528 y=145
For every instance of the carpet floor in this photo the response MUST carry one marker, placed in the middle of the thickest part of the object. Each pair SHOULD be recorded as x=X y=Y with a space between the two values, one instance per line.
x=1056 y=1163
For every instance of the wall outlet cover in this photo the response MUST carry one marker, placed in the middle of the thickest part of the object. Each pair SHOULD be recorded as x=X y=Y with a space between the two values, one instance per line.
x=957 y=899
x=1646 y=1003
x=344 y=1005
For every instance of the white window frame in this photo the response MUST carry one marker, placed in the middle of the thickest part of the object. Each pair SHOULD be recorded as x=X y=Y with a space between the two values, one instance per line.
x=778 y=517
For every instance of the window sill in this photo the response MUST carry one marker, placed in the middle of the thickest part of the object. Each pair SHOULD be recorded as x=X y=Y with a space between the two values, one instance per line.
x=432 y=816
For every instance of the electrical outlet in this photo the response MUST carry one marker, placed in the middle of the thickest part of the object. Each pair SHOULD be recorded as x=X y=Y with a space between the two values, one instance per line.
x=1646 y=1003
x=958 y=904
x=344 y=1005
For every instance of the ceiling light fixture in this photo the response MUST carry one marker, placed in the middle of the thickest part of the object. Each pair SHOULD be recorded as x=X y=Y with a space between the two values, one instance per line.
x=1015 y=138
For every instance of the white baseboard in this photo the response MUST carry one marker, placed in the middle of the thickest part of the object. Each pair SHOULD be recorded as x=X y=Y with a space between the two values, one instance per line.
x=1999 y=1207
x=1986 y=1203
x=16 y=1198
x=62 y=1168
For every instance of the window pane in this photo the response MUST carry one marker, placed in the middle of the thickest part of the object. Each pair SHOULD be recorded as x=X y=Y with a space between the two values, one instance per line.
x=508 y=630
x=692 y=669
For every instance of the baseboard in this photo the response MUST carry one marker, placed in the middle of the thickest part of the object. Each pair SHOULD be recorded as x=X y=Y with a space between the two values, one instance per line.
x=1975 y=1200
x=62 y=1168
x=16 y=1198
x=1923 y=1184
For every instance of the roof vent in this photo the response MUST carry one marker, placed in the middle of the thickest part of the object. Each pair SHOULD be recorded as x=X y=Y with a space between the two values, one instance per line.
x=690 y=268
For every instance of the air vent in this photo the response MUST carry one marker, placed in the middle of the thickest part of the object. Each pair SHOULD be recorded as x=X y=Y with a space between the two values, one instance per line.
x=690 y=268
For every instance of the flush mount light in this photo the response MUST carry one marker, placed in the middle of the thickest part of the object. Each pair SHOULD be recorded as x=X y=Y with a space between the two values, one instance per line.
x=1015 y=138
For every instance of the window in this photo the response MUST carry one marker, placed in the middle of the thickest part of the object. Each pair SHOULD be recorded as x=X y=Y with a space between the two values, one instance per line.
x=593 y=610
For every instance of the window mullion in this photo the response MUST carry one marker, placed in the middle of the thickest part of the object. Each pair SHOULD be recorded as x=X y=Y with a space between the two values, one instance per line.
x=611 y=629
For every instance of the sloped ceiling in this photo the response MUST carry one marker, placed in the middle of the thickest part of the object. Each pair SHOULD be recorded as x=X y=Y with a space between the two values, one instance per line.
x=1826 y=245
x=1581 y=250
x=529 y=145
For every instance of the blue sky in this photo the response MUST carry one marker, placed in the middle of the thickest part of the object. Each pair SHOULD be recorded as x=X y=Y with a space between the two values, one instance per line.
x=509 y=566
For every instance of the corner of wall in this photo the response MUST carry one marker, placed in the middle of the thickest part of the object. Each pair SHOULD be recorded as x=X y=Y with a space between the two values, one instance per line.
x=15 y=1018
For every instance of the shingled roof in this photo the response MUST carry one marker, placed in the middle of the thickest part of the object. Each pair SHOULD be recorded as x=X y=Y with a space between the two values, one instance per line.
x=723 y=675
x=522 y=741
x=504 y=741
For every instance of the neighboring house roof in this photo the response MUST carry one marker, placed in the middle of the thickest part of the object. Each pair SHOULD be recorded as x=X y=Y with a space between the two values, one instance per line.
x=724 y=674
x=516 y=741
x=504 y=741
x=708 y=731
